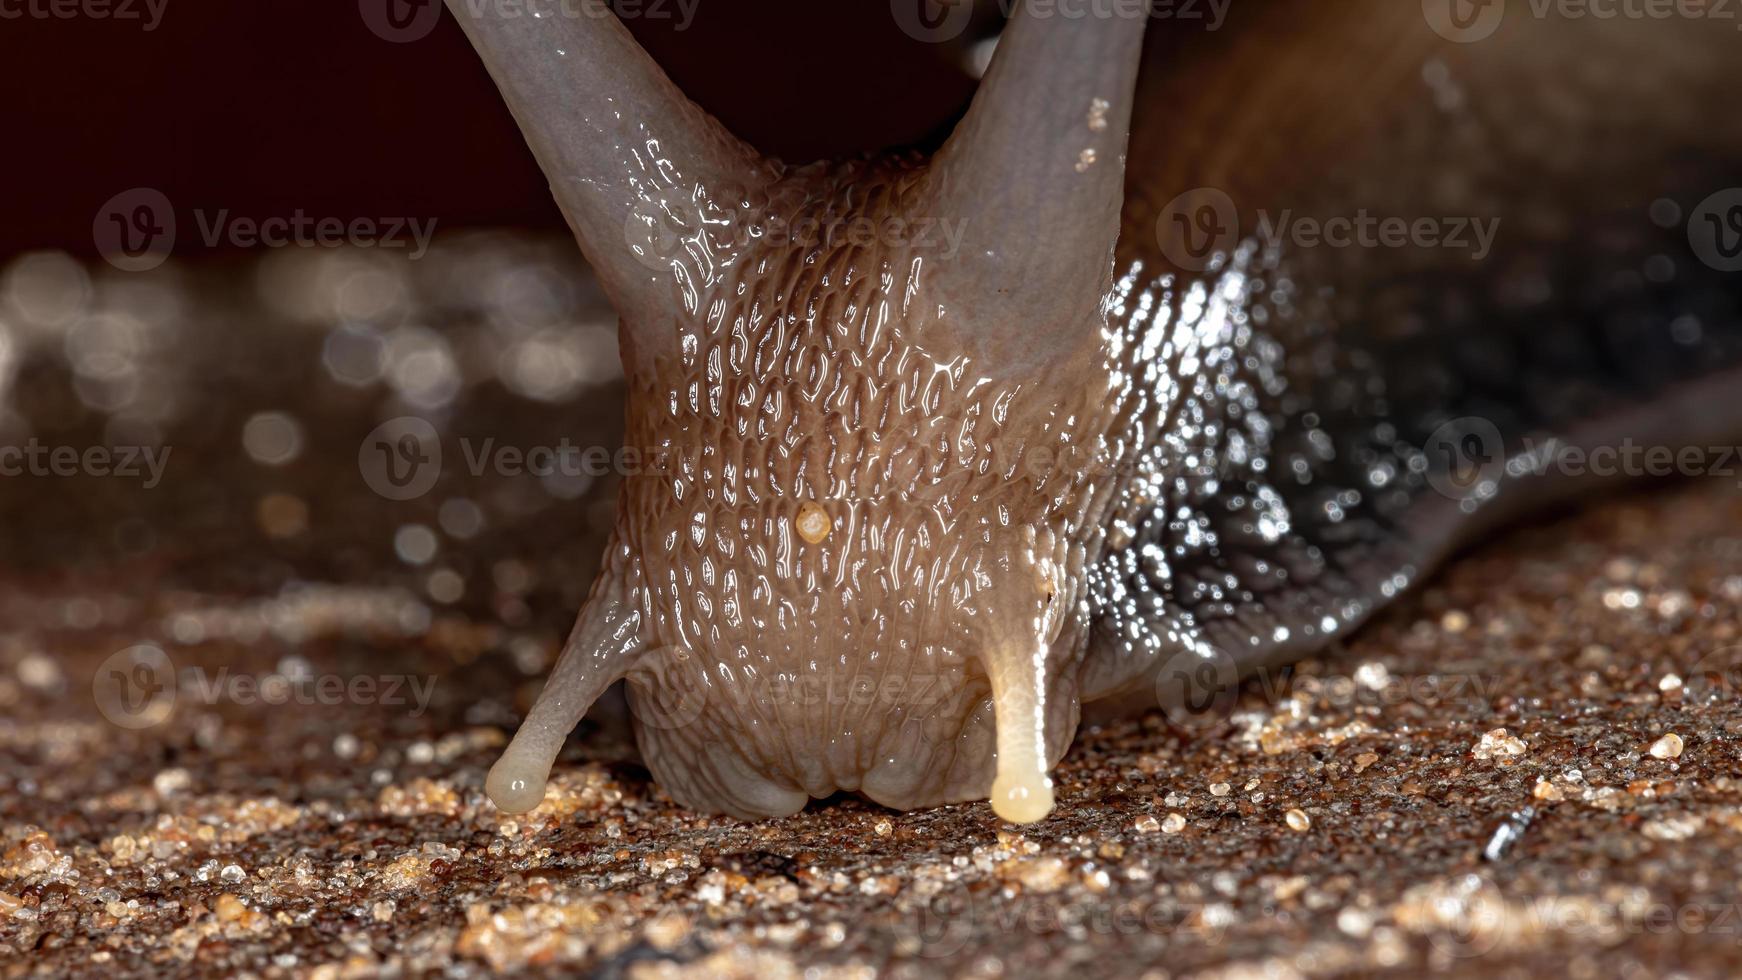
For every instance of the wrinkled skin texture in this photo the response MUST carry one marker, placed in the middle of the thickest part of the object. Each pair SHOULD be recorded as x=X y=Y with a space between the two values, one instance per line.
x=875 y=547
x=831 y=376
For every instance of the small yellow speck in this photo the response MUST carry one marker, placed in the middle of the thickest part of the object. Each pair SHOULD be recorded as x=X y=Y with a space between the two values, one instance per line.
x=1086 y=159
x=812 y=522
x=229 y=908
x=883 y=828
x=1298 y=820
x=1667 y=747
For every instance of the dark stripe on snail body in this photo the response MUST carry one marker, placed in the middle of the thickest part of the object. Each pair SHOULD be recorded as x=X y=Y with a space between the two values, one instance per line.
x=1012 y=469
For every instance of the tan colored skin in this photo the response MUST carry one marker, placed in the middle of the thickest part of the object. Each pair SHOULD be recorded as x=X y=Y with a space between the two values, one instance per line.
x=1042 y=486
x=836 y=377
x=946 y=402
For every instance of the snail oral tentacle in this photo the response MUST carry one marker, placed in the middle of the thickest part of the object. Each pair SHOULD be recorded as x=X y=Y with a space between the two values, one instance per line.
x=601 y=650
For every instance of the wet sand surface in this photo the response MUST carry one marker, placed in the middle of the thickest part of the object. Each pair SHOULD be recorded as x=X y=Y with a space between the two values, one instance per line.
x=245 y=713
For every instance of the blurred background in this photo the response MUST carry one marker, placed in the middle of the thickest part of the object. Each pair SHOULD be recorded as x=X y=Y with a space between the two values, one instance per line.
x=266 y=107
x=259 y=370
x=234 y=394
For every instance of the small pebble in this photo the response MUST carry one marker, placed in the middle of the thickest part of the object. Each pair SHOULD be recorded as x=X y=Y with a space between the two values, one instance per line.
x=1218 y=789
x=171 y=781
x=1455 y=621
x=1499 y=742
x=1173 y=824
x=1355 y=922
x=228 y=908
x=1667 y=747
x=1298 y=820
x=1147 y=825
x=883 y=828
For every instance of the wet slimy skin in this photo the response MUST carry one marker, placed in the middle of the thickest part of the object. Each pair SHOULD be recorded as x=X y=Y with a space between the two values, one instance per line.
x=939 y=451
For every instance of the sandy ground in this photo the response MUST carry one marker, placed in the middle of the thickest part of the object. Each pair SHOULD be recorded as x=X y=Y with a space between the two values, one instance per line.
x=1531 y=767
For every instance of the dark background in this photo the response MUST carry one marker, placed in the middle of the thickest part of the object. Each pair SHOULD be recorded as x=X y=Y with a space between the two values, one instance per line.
x=264 y=107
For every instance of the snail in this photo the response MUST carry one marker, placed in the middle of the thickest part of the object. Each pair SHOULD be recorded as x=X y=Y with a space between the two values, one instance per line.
x=1143 y=380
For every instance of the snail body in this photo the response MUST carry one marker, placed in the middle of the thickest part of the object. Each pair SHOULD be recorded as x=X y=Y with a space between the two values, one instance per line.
x=946 y=450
